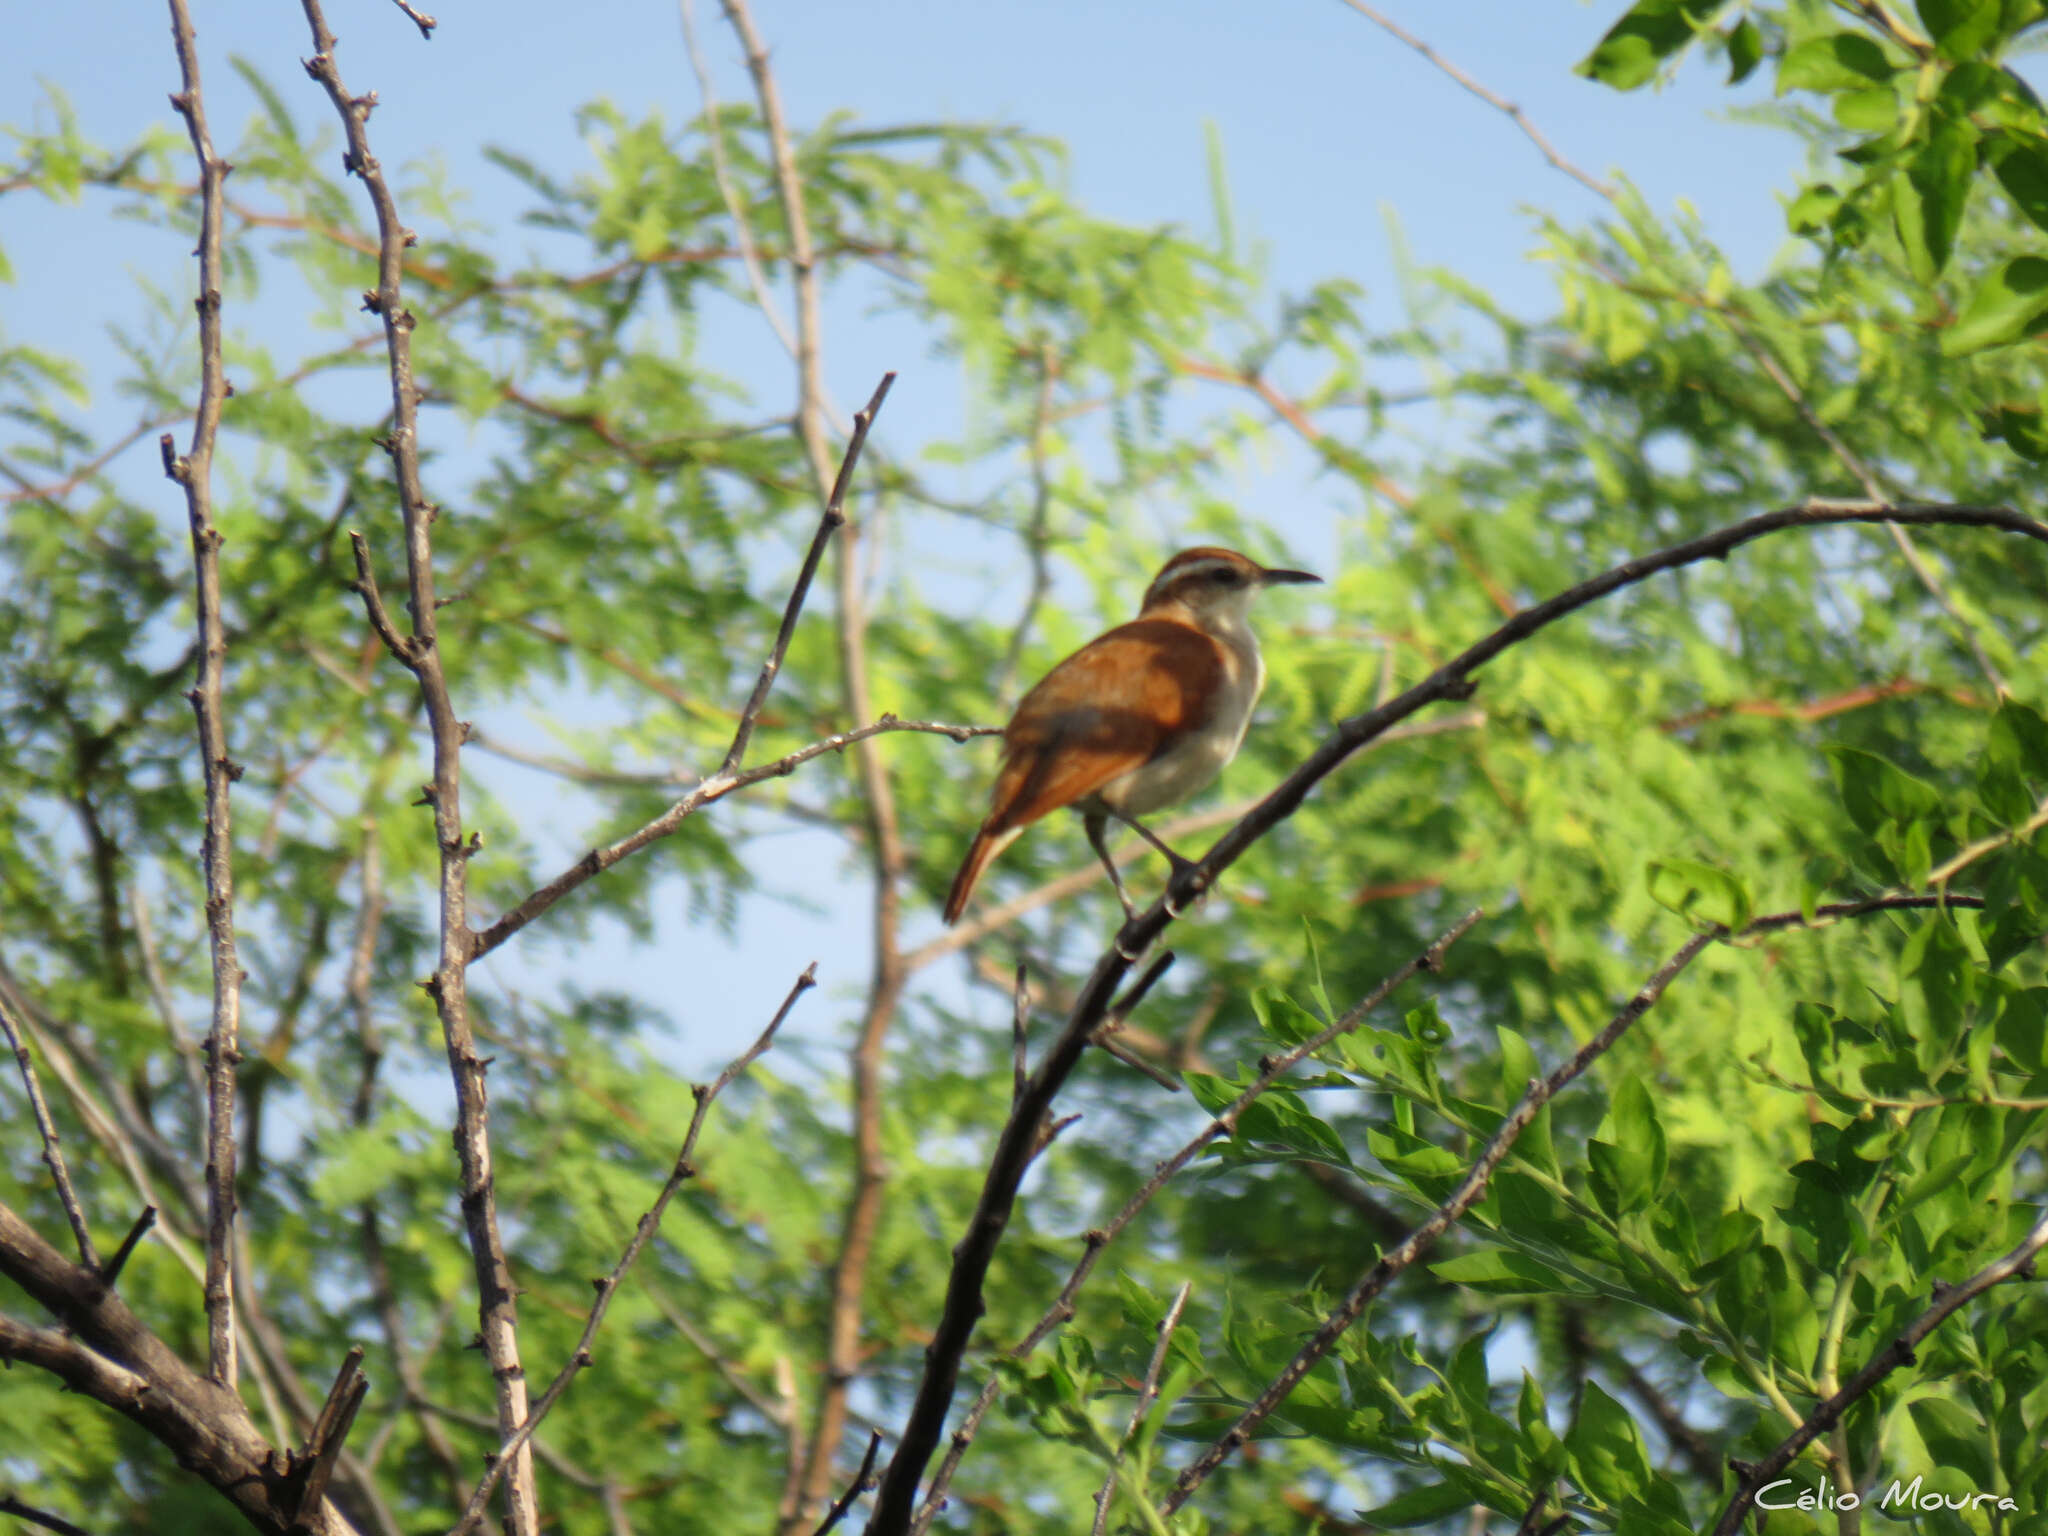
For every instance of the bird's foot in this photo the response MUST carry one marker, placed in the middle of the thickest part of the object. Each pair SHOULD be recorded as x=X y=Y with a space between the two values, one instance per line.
x=1186 y=874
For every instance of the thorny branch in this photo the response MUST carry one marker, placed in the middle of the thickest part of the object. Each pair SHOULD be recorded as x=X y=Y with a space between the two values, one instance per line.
x=1147 y=1390
x=607 y=1286
x=896 y=1501
x=420 y=651
x=1948 y=1299
x=730 y=775
x=1472 y=1188
x=1271 y=1069
x=194 y=471
x=53 y=1152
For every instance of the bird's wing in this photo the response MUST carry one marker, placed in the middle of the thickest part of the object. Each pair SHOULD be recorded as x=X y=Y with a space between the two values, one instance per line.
x=1109 y=708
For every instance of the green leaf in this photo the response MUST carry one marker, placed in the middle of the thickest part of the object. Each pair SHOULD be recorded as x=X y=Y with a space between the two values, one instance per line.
x=1632 y=1123
x=2021 y=164
x=1813 y=210
x=1745 y=50
x=1699 y=892
x=1418 y=1506
x=1607 y=1449
x=1954 y=1437
x=1960 y=28
x=1927 y=203
x=1840 y=61
x=2010 y=303
x=1504 y=1272
x=1877 y=794
x=2020 y=427
x=1649 y=32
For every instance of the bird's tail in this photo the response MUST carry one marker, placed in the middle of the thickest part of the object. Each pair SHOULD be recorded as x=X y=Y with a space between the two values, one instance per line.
x=987 y=844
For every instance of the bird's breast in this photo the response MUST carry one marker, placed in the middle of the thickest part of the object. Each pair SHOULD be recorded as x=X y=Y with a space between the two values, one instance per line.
x=1189 y=762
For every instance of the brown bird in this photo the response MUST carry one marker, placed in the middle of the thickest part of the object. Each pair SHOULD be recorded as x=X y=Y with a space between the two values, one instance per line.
x=1138 y=718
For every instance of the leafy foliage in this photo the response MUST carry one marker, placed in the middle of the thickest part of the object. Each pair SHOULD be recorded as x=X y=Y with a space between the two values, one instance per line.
x=1681 y=1256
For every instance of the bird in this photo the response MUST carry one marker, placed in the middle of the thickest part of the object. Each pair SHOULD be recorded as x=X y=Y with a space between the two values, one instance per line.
x=1140 y=717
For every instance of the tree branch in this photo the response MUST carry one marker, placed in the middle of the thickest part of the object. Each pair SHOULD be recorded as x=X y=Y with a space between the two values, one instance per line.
x=53 y=1153
x=1271 y=1069
x=110 y=1356
x=1473 y=1187
x=194 y=471
x=420 y=651
x=607 y=1286
x=1147 y=1390
x=730 y=775
x=1453 y=680
x=1948 y=1300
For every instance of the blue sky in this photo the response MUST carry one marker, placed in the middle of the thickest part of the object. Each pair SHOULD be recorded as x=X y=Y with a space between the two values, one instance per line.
x=1330 y=130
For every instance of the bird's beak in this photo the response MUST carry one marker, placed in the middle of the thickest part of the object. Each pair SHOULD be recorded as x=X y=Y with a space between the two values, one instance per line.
x=1286 y=578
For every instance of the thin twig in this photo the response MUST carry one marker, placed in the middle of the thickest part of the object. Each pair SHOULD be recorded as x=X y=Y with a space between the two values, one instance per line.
x=1921 y=567
x=110 y=1271
x=721 y=176
x=1148 y=1389
x=194 y=471
x=497 y=1309
x=886 y=858
x=863 y=1481
x=607 y=1286
x=1948 y=1299
x=1015 y=1147
x=1097 y=1240
x=10 y=1505
x=1501 y=103
x=53 y=1151
x=418 y=18
x=730 y=776
x=1472 y=1188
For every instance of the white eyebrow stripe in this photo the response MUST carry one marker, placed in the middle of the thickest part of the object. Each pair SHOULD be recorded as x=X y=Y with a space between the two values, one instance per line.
x=1207 y=565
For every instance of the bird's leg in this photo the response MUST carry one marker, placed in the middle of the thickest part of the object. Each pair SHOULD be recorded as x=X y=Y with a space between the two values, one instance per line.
x=1092 y=822
x=1180 y=865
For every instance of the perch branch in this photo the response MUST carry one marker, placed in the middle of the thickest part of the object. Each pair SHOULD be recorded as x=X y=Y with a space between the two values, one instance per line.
x=896 y=1501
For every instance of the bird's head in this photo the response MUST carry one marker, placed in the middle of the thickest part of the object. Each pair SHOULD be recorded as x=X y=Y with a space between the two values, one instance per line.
x=1213 y=583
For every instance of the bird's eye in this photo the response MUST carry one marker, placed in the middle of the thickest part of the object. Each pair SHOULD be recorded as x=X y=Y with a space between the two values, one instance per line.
x=1228 y=578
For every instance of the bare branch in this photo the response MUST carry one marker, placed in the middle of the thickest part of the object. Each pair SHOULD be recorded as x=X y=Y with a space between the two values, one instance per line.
x=330 y=1429
x=863 y=1481
x=1271 y=1069
x=1147 y=1390
x=1453 y=680
x=1947 y=1301
x=497 y=1309
x=721 y=175
x=1514 y=113
x=194 y=471
x=607 y=1286
x=199 y=1421
x=730 y=776
x=53 y=1152
x=418 y=18
x=138 y=1229
x=10 y=1505
x=878 y=803
x=833 y=520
